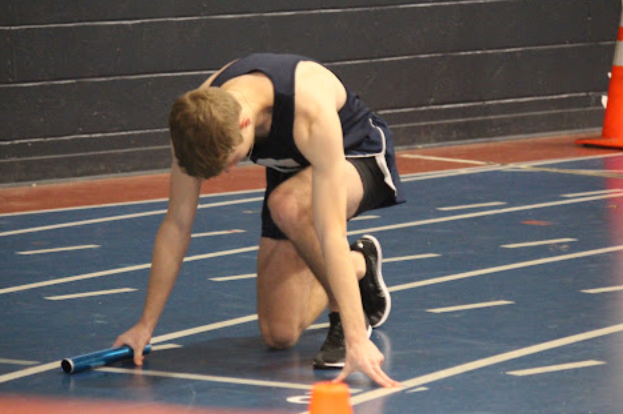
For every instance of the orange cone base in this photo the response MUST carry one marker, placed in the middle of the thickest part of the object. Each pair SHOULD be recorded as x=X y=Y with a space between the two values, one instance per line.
x=616 y=143
x=330 y=398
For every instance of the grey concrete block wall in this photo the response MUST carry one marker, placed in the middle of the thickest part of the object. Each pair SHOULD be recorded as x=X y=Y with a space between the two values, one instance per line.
x=85 y=87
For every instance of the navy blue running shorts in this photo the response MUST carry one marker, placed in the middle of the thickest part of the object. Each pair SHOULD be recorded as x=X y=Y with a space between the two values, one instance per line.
x=376 y=193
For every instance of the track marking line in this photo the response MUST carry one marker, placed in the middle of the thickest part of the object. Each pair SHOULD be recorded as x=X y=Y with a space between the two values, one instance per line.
x=117 y=271
x=554 y=368
x=603 y=289
x=369 y=217
x=405 y=177
x=445 y=159
x=17 y=362
x=413 y=257
x=537 y=243
x=318 y=326
x=123 y=204
x=363 y=231
x=484 y=213
x=217 y=233
x=531 y=167
x=165 y=347
x=484 y=363
x=468 y=206
x=207 y=378
x=58 y=249
x=204 y=328
x=523 y=166
x=416 y=381
x=239 y=277
x=496 y=269
x=121 y=217
x=470 y=306
x=90 y=294
x=590 y=193
x=155 y=340
x=418 y=389
x=30 y=371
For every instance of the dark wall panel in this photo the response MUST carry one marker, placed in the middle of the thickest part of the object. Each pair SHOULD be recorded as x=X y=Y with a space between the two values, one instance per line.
x=85 y=87
x=173 y=46
x=487 y=110
x=35 y=12
x=73 y=108
x=143 y=103
x=84 y=164
x=6 y=56
x=474 y=77
x=504 y=126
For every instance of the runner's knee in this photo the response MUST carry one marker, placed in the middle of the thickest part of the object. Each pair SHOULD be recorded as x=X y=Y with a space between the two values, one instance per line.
x=289 y=210
x=279 y=335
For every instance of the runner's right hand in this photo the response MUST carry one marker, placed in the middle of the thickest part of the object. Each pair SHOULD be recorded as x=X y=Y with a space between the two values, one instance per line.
x=136 y=338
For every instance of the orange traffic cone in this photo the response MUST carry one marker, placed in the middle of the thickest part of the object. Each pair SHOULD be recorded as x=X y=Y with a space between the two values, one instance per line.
x=330 y=398
x=612 y=133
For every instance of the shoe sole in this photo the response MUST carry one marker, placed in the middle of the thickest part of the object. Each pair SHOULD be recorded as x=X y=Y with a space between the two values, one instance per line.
x=380 y=280
x=336 y=365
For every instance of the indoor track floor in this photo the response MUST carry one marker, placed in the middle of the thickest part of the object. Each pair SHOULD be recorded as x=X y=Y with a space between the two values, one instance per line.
x=505 y=267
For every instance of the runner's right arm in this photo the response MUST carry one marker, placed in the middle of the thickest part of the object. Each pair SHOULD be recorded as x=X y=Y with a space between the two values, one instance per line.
x=170 y=247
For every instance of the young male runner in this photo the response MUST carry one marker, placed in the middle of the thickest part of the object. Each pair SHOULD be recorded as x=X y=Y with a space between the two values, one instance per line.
x=328 y=158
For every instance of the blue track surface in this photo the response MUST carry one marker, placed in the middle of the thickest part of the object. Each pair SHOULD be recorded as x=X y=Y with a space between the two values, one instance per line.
x=451 y=362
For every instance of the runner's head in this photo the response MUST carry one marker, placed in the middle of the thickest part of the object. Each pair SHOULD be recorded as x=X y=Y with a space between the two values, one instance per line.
x=205 y=131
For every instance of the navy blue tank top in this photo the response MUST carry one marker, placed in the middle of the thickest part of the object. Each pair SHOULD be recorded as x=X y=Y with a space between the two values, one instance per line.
x=363 y=130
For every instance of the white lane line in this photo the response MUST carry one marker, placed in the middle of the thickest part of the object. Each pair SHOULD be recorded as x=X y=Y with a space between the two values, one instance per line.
x=369 y=217
x=418 y=389
x=590 y=193
x=554 y=368
x=405 y=178
x=121 y=217
x=164 y=347
x=217 y=233
x=363 y=231
x=484 y=363
x=239 y=277
x=455 y=160
x=202 y=329
x=318 y=326
x=496 y=269
x=30 y=371
x=450 y=173
x=155 y=340
x=413 y=257
x=17 y=362
x=118 y=271
x=224 y=203
x=207 y=378
x=468 y=206
x=496 y=167
x=470 y=306
x=59 y=249
x=90 y=294
x=122 y=204
x=521 y=166
x=537 y=243
x=484 y=213
x=603 y=289
x=392 y=259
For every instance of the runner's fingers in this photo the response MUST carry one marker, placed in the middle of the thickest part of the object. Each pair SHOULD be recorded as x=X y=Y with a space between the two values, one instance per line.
x=346 y=371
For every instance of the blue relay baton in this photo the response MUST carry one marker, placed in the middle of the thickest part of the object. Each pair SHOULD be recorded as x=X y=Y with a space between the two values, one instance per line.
x=99 y=358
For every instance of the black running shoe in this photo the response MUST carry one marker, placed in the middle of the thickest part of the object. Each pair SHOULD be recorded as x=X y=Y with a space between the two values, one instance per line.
x=374 y=294
x=332 y=354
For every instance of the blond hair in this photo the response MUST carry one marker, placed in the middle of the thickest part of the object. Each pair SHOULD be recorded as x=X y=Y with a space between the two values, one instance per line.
x=204 y=127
